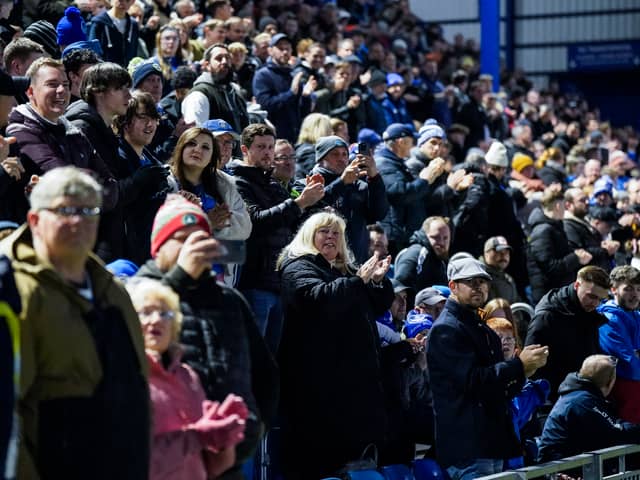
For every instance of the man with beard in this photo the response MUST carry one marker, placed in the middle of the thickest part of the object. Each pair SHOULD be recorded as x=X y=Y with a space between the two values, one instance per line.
x=286 y=98
x=471 y=382
x=581 y=234
x=497 y=254
x=424 y=262
x=214 y=95
x=620 y=337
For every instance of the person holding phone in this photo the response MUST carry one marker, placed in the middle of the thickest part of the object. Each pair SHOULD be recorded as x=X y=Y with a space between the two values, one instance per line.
x=219 y=334
x=353 y=188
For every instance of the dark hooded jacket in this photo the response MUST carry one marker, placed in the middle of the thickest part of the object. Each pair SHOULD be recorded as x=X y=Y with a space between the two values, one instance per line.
x=472 y=386
x=419 y=266
x=117 y=48
x=223 y=345
x=272 y=89
x=470 y=222
x=570 y=333
x=581 y=234
x=332 y=397
x=582 y=420
x=275 y=218
x=305 y=159
x=407 y=197
x=43 y=146
x=550 y=260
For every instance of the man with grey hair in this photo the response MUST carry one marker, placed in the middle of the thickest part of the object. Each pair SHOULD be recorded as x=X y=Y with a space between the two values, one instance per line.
x=84 y=398
x=582 y=420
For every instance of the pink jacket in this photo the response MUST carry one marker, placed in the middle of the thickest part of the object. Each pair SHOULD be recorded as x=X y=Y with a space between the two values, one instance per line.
x=176 y=396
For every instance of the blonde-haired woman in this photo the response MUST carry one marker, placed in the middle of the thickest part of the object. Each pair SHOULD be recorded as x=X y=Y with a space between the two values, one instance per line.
x=314 y=126
x=192 y=437
x=332 y=400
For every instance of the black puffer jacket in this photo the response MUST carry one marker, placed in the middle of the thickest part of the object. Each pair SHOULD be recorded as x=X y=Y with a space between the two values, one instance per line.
x=223 y=345
x=550 y=260
x=472 y=386
x=582 y=235
x=419 y=267
x=582 y=420
x=275 y=218
x=570 y=333
x=332 y=398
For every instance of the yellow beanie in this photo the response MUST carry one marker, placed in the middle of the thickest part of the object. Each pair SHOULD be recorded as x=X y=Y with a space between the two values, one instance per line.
x=521 y=161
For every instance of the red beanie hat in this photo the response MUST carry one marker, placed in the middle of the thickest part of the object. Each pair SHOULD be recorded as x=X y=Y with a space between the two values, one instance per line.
x=175 y=213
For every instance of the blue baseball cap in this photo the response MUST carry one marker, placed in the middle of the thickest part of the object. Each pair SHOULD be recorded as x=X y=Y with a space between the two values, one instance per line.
x=366 y=135
x=394 y=79
x=277 y=37
x=397 y=130
x=219 y=127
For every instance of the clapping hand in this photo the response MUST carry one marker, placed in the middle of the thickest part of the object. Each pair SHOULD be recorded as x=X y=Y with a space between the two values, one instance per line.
x=219 y=216
x=381 y=269
x=374 y=269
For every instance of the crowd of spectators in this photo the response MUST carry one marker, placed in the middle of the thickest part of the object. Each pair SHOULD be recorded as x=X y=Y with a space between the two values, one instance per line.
x=323 y=213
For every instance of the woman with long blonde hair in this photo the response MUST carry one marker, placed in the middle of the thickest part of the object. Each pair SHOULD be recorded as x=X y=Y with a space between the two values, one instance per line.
x=314 y=126
x=328 y=354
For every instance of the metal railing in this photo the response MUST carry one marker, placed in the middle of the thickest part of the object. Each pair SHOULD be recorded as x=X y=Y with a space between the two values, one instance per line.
x=591 y=464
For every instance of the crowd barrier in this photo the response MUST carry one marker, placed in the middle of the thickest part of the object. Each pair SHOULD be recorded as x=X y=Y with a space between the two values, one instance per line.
x=591 y=464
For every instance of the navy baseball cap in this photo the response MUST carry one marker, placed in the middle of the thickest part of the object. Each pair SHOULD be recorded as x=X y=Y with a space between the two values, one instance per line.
x=397 y=130
x=277 y=37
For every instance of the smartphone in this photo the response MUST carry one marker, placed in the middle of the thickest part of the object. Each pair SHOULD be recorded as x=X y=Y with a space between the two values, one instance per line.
x=363 y=148
x=236 y=252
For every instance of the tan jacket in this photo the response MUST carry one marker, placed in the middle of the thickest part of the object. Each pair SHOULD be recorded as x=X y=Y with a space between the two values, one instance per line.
x=59 y=358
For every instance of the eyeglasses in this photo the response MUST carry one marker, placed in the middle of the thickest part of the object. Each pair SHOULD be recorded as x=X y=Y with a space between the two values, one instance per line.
x=508 y=340
x=147 y=315
x=84 y=212
x=284 y=158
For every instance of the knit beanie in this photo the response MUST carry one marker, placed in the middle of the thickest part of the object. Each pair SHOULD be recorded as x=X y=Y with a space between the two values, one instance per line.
x=44 y=33
x=430 y=129
x=521 y=161
x=175 y=213
x=70 y=28
x=325 y=144
x=497 y=155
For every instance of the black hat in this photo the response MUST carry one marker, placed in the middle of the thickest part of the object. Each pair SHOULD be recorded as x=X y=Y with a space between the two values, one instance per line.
x=44 y=33
x=604 y=214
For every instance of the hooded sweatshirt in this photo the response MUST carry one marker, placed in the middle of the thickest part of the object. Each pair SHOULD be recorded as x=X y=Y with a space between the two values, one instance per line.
x=117 y=48
x=582 y=421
